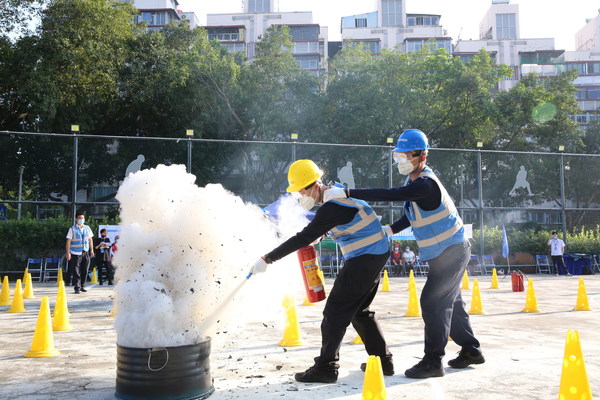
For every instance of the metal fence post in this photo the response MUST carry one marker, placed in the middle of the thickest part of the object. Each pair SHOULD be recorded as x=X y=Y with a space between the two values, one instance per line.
x=74 y=131
x=480 y=194
x=190 y=134
x=562 y=194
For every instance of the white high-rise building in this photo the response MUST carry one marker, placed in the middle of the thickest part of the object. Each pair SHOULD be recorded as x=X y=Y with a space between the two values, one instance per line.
x=159 y=13
x=390 y=27
x=239 y=32
x=499 y=34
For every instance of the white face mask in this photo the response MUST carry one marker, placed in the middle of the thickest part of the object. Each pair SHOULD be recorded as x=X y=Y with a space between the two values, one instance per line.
x=307 y=202
x=405 y=165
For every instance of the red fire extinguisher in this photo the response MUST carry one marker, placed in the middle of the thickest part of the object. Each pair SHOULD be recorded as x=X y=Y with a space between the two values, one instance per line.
x=314 y=285
x=517 y=282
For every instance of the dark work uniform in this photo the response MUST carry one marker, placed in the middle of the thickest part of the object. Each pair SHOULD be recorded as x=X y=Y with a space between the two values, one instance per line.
x=441 y=302
x=353 y=291
x=103 y=262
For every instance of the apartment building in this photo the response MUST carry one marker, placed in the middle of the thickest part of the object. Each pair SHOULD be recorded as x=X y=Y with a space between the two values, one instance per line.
x=390 y=27
x=159 y=13
x=499 y=34
x=239 y=32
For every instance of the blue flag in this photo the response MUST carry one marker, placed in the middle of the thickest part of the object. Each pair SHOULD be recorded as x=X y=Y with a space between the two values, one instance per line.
x=504 y=243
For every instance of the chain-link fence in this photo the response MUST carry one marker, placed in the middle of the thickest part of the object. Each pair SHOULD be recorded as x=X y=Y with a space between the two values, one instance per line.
x=50 y=175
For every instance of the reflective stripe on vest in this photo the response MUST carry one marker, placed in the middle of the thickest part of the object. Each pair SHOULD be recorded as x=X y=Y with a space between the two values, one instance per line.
x=362 y=235
x=438 y=229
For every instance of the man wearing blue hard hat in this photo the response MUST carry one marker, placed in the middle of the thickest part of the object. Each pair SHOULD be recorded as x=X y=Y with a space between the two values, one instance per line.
x=442 y=243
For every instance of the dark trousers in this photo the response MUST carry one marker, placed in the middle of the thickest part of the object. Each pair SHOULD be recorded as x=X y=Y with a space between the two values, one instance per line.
x=442 y=305
x=558 y=261
x=353 y=291
x=102 y=263
x=79 y=265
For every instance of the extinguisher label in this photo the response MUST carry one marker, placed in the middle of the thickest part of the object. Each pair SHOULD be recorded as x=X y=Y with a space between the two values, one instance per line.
x=311 y=269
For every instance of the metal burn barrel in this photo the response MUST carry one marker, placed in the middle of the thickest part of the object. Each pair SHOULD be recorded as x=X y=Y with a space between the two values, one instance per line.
x=164 y=373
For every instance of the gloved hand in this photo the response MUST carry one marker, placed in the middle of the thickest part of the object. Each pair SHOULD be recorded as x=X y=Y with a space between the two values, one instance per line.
x=387 y=230
x=334 y=192
x=259 y=266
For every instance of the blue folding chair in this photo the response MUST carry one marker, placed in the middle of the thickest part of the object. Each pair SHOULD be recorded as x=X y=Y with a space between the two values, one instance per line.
x=35 y=266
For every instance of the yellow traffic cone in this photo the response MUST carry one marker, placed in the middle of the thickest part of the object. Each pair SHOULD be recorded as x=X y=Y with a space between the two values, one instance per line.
x=476 y=305
x=291 y=333
x=43 y=341
x=494 y=280
x=28 y=291
x=465 y=281
x=357 y=340
x=307 y=302
x=113 y=312
x=411 y=280
x=582 y=300
x=320 y=272
x=386 y=282
x=17 y=305
x=94 y=276
x=374 y=385
x=25 y=274
x=59 y=278
x=5 y=293
x=574 y=383
x=414 y=309
x=531 y=301
x=61 y=311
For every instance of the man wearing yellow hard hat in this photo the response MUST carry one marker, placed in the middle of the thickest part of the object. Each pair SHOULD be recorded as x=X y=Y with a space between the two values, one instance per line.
x=355 y=227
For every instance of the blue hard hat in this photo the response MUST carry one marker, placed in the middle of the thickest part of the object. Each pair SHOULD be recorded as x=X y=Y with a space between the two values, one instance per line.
x=411 y=139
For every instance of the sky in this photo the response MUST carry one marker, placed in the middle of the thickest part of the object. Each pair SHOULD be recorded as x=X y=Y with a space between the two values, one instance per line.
x=557 y=19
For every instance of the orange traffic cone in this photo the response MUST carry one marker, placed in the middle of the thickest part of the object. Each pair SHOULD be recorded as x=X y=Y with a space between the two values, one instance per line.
x=465 y=281
x=574 y=383
x=291 y=333
x=494 y=280
x=43 y=341
x=582 y=300
x=374 y=385
x=5 y=293
x=17 y=305
x=28 y=291
x=385 y=287
x=476 y=305
x=414 y=309
x=531 y=305
x=61 y=311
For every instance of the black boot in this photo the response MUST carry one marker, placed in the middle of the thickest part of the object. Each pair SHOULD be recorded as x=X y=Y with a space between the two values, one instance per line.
x=318 y=374
x=466 y=357
x=426 y=368
x=387 y=366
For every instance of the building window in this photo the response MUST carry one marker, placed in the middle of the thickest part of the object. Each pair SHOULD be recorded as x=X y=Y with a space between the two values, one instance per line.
x=416 y=45
x=259 y=6
x=308 y=32
x=305 y=47
x=423 y=21
x=506 y=26
x=360 y=23
x=372 y=45
x=391 y=12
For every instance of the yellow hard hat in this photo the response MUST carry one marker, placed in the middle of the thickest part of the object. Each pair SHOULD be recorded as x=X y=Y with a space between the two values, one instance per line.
x=301 y=174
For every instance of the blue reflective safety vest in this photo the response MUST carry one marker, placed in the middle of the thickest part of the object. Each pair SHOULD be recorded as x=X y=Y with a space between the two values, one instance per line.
x=362 y=235
x=438 y=229
x=81 y=238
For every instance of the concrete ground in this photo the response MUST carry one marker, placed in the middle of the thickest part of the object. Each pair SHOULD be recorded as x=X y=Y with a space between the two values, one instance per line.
x=524 y=351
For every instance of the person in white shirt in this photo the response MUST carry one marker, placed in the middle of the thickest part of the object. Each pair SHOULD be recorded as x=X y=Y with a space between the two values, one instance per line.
x=557 y=250
x=408 y=259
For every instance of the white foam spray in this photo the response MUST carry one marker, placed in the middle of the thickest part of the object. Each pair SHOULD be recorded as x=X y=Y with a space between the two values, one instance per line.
x=184 y=254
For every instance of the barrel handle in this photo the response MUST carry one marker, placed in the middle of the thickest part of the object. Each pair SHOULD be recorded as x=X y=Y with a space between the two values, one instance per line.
x=150 y=351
